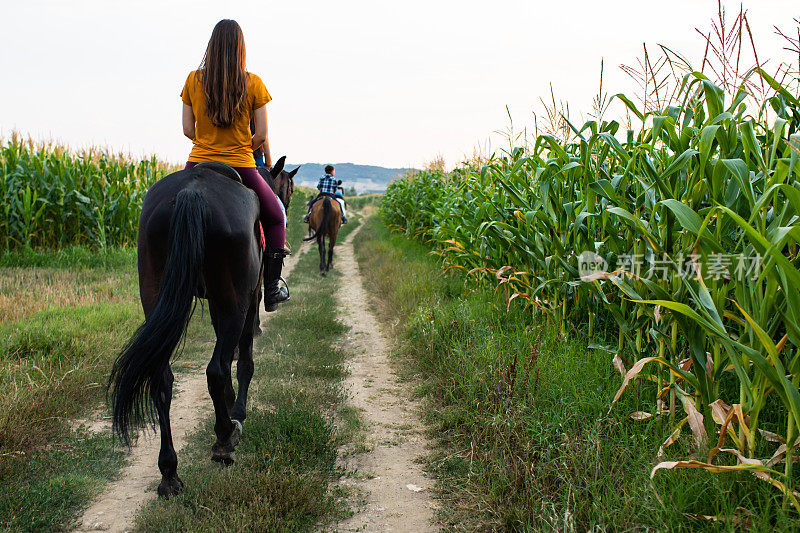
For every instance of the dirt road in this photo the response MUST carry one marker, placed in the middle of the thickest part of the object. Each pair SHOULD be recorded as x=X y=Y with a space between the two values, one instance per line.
x=394 y=493
x=391 y=492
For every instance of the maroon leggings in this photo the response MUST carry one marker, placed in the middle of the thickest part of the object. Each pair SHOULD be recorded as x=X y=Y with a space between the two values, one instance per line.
x=271 y=211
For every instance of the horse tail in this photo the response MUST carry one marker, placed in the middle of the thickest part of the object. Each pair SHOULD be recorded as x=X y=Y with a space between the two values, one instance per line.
x=326 y=215
x=137 y=375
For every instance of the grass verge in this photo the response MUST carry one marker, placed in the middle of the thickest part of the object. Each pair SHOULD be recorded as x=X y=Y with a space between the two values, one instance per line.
x=286 y=459
x=45 y=488
x=123 y=258
x=62 y=318
x=520 y=416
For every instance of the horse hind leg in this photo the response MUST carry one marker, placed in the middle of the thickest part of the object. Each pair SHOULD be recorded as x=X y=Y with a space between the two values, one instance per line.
x=170 y=484
x=228 y=325
x=245 y=366
x=331 y=245
x=230 y=394
x=321 y=246
x=257 y=321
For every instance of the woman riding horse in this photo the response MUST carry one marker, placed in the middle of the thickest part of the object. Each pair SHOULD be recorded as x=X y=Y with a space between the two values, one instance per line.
x=219 y=100
x=199 y=236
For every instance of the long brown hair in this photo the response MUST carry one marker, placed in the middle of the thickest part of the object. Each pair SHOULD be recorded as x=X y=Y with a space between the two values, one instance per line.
x=223 y=73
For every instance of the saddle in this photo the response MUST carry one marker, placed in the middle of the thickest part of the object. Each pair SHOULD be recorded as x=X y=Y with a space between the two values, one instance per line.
x=230 y=172
x=221 y=168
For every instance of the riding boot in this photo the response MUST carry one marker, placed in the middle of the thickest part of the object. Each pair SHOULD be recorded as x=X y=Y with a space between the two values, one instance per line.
x=273 y=293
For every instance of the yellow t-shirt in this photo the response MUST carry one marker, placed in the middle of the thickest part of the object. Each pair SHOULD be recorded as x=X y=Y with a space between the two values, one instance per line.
x=231 y=145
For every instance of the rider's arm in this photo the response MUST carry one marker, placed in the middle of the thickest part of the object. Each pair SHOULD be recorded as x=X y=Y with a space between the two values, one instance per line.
x=267 y=155
x=260 y=134
x=188 y=121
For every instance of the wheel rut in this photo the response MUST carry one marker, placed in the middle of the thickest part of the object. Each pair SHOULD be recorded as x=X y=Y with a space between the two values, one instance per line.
x=393 y=493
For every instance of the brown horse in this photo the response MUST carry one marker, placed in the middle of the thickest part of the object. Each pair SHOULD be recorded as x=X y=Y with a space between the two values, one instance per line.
x=325 y=220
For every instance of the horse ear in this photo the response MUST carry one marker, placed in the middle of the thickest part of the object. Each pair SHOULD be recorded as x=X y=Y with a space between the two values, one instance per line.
x=278 y=167
x=293 y=172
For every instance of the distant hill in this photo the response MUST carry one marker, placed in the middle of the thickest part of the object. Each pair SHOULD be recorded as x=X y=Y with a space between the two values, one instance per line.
x=365 y=178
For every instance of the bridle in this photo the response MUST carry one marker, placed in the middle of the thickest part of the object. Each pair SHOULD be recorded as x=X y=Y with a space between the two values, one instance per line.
x=284 y=188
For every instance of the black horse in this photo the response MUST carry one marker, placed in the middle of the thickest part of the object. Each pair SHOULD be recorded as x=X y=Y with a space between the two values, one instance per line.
x=199 y=237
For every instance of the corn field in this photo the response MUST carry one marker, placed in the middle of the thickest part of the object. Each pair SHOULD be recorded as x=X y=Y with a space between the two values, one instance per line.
x=52 y=197
x=675 y=242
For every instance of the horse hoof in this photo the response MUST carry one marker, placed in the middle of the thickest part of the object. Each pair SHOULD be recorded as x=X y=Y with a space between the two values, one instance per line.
x=225 y=459
x=171 y=486
x=271 y=308
x=223 y=453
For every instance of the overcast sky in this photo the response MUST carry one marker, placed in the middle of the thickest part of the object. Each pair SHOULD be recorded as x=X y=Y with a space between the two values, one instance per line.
x=387 y=83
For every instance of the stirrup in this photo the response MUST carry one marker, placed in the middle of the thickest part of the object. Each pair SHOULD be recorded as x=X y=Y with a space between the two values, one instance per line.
x=288 y=296
x=276 y=253
x=269 y=308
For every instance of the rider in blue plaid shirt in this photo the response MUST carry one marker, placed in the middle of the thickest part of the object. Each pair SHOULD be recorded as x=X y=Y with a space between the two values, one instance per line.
x=328 y=185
